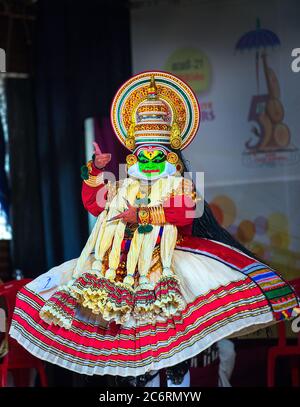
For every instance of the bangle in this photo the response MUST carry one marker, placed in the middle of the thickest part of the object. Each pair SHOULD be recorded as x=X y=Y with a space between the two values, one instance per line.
x=92 y=180
x=144 y=215
x=157 y=215
x=153 y=215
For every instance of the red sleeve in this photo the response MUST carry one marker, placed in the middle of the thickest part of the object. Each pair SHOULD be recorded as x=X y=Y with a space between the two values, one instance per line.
x=94 y=198
x=179 y=210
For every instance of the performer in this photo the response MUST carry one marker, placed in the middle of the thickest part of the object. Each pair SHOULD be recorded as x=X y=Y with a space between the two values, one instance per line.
x=154 y=286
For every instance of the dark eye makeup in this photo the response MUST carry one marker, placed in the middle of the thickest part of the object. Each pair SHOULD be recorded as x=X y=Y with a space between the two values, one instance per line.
x=158 y=159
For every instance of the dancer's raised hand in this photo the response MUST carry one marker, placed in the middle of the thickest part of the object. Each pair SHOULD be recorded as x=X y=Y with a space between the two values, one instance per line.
x=101 y=159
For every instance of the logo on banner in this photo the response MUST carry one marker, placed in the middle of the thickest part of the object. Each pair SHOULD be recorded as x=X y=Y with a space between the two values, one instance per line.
x=207 y=111
x=193 y=66
x=270 y=143
x=2 y=60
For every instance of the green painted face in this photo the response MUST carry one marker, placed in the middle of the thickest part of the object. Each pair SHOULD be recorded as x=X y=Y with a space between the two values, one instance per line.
x=151 y=163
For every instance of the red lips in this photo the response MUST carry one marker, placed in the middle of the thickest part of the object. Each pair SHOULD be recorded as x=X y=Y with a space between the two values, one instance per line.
x=147 y=171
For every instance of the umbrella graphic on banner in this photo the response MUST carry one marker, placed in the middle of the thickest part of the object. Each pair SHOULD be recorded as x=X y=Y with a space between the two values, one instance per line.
x=266 y=110
x=259 y=40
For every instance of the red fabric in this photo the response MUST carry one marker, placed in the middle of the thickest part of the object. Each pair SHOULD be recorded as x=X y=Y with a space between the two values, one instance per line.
x=94 y=198
x=225 y=253
x=194 y=311
x=282 y=349
x=179 y=210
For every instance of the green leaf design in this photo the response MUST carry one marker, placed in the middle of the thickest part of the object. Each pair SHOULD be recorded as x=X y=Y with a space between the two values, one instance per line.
x=145 y=228
x=84 y=172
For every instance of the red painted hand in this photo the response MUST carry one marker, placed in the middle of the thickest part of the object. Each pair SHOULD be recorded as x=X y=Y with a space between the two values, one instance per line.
x=129 y=215
x=101 y=159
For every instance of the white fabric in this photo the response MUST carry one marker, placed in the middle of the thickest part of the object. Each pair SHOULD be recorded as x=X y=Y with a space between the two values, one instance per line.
x=47 y=283
x=199 y=274
x=227 y=361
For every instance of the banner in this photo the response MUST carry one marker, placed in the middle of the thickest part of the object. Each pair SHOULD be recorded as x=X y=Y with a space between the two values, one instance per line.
x=237 y=57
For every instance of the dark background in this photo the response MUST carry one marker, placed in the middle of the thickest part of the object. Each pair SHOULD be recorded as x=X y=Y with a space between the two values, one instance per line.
x=76 y=55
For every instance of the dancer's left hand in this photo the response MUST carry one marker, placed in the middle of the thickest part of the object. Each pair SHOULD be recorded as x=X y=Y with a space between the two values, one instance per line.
x=129 y=215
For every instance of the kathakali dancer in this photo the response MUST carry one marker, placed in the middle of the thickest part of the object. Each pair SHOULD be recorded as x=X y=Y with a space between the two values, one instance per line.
x=154 y=285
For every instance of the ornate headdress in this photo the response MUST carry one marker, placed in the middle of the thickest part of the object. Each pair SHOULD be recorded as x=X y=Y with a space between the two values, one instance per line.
x=155 y=109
